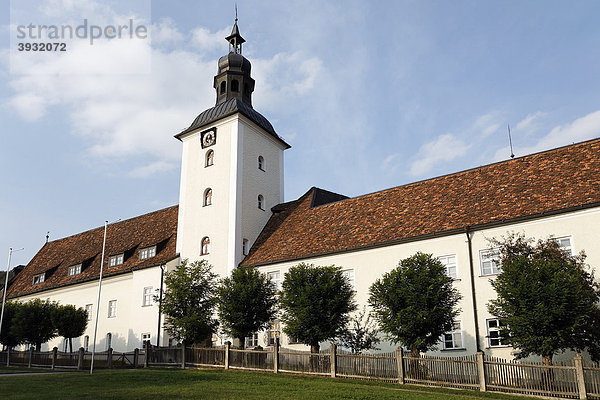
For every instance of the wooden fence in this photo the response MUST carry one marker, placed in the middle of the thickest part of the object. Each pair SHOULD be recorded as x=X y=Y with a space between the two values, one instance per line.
x=574 y=379
x=79 y=360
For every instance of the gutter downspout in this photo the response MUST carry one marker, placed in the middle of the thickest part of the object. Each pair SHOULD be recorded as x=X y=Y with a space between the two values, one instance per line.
x=469 y=234
x=160 y=297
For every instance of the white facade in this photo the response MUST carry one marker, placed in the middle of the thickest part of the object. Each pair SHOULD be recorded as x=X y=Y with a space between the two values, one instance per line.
x=236 y=182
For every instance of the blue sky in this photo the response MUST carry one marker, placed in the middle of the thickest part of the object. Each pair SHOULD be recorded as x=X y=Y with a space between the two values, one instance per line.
x=370 y=95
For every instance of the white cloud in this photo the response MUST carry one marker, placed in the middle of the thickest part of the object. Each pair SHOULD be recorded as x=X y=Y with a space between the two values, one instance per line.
x=166 y=32
x=444 y=148
x=530 y=122
x=206 y=41
x=151 y=170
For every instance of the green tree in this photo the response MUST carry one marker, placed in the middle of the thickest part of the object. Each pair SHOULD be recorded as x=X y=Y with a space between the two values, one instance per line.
x=247 y=303
x=316 y=302
x=70 y=322
x=33 y=322
x=546 y=298
x=361 y=334
x=415 y=303
x=189 y=302
x=8 y=336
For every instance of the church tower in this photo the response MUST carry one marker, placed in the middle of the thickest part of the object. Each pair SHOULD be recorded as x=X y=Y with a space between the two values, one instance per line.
x=231 y=170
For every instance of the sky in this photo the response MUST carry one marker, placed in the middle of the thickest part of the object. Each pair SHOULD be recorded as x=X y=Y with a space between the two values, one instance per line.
x=370 y=95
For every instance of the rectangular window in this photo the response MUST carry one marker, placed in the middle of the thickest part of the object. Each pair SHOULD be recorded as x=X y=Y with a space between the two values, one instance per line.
x=493 y=331
x=39 y=278
x=112 y=309
x=147 y=297
x=273 y=331
x=145 y=340
x=453 y=339
x=275 y=277
x=88 y=309
x=147 y=252
x=490 y=262
x=349 y=273
x=450 y=264
x=252 y=341
x=75 y=270
x=565 y=244
x=115 y=260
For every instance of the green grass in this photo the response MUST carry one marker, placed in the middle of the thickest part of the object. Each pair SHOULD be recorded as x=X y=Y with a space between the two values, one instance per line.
x=166 y=384
x=19 y=370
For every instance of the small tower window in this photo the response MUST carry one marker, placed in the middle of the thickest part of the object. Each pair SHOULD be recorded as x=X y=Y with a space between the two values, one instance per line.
x=235 y=85
x=223 y=87
x=261 y=163
x=205 y=246
x=246 y=90
x=245 y=247
x=261 y=202
x=210 y=158
x=208 y=197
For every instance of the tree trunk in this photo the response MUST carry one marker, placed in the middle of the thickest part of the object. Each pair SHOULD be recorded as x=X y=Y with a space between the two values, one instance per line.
x=314 y=348
x=547 y=359
x=548 y=375
x=414 y=366
x=242 y=343
x=38 y=347
x=314 y=361
x=70 y=345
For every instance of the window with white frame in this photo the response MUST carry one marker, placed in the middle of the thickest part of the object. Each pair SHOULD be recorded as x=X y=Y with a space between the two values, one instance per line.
x=490 y=262
x=273 y=331
x=39 y=278
x=65 y=345
x=115 y=260
x=565 y=244
x=88 y=309
x=251 y=341
x=112 y=309
x=245 y=247
x=147 y=296
x=275 y=277
x=349 y=273
x=74 y=270
x=261 y=202
x=147 y=252
x=453 y=339
x=494 y=335
x=145 y=340
x=210 y=158
x=208 y=197
x=450 y=264
x=205 y=246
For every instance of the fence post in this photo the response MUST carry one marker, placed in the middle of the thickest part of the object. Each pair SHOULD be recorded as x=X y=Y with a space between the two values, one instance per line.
x=147 y=355
x=400 y=364
x=333 y=355
x=481 y=371
x=136 y=356
x=109 y=358
x=30 y=357
x=80 y=358
x=227 y=346
x=276 y=356
x=183 y=354
x=580 y=377
x=54 y=354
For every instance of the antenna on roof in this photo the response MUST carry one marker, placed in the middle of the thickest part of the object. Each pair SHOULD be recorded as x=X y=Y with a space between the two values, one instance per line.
x=47 y=236
x=512 y=155
x=236 y=12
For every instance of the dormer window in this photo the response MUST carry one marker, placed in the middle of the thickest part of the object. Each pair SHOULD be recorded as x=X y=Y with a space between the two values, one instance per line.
x=74 y=270
x=39 y=278
x=261 y=163
x=147 y=252
x=115 y=260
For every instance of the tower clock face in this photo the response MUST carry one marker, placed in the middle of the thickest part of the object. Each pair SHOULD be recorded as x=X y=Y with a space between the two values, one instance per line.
x=208 y=138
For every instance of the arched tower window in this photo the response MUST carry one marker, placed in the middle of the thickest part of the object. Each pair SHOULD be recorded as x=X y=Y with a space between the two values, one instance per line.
x=261 y=202
x=205 y=246
x=223 y=87
x=210 y=158
x=235 y=85
x=245 y=247
x=208 y=197
x=261 y=163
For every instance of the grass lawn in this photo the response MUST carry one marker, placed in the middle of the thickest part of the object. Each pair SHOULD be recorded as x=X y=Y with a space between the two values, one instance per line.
x=212 y=384
x=20 y=370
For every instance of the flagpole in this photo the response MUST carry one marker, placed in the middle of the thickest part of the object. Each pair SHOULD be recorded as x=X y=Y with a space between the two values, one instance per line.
x=10 y=251
x=98 y=302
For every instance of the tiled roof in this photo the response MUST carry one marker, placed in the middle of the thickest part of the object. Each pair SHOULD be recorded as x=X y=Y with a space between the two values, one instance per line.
x=54 y=258
x=542 y=183
x=228 y=108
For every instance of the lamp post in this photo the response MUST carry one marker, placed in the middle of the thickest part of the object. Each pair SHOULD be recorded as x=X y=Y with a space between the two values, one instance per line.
x=10 y=251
